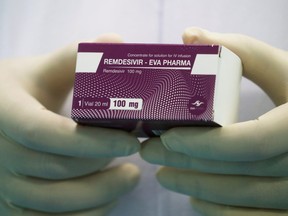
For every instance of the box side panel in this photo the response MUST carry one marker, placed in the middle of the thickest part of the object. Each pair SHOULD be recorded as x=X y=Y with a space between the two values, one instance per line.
x=227 y=89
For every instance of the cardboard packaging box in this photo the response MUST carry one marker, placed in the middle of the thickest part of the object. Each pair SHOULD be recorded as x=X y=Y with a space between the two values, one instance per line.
x=150 y=88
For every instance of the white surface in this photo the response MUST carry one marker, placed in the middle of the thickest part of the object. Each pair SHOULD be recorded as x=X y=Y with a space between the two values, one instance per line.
x=88 y=62
x=33 y=27
x=227 y=91
x=205 y=64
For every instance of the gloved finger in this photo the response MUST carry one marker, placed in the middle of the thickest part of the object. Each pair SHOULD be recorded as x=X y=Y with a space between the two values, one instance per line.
x=48 y=78
x=245 y=191
x=259 y=59
x=40 y=129
x=254 y=140
x=21 y=160
x=154 y=152
x=213 y=209
x=80 y=194
x=54 y=72
x=8 y=209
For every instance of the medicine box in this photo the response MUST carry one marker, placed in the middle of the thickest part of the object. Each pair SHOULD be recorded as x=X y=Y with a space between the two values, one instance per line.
x=150 y=88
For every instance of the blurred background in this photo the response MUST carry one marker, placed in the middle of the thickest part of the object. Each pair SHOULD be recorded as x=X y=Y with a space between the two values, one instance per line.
x=33 y=27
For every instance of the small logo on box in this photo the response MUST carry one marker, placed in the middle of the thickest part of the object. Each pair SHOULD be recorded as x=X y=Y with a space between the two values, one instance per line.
x=197 y=105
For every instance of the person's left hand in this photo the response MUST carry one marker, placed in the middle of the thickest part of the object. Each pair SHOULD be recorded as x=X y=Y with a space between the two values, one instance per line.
x=239 y=169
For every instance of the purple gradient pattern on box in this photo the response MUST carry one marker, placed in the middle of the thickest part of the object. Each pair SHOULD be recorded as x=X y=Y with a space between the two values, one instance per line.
x=144 y=87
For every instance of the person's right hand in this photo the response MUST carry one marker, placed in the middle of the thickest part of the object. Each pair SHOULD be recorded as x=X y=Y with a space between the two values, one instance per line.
x=49 y=164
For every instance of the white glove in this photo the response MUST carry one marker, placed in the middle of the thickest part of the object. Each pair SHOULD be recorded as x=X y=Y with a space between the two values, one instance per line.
x=239 y=169
x=48 y=163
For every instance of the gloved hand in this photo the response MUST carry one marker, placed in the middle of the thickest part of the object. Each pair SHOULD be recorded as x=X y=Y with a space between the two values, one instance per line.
x=48 y=163
x=239 y=169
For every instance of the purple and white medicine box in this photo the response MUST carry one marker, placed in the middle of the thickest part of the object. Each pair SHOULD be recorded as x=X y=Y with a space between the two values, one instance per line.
x=150 y=88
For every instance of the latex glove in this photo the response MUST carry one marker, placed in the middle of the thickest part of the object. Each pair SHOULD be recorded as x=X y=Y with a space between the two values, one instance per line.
x=239 y=169
x=48 y=163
